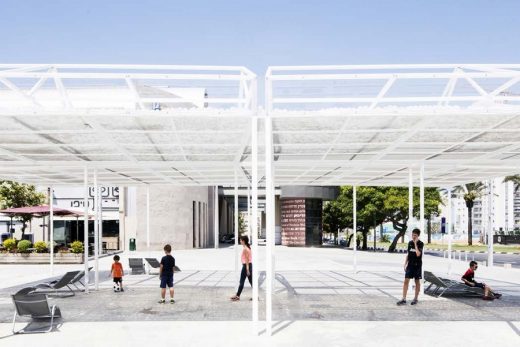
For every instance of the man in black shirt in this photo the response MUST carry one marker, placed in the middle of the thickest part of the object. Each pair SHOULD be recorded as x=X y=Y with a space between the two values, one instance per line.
x=413 y=266
x=166 y=274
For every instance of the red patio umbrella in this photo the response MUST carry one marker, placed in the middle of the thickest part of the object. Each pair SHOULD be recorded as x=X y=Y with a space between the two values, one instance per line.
x=42 y=211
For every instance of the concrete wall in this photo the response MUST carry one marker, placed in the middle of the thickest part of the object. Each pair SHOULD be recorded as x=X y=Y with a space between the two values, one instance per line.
x=172 y=217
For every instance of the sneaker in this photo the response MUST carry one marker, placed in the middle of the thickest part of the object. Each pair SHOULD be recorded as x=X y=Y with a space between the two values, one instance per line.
x=122 y=290
x=488 y=298
x=172 y=301
x=401 y=302
x=497 y=295
x=414 y=302
x=162 y=301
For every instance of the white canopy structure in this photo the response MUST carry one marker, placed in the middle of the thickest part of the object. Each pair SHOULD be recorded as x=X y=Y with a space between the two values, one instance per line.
x=182 y=125
x=366 y=125
x=200 y=125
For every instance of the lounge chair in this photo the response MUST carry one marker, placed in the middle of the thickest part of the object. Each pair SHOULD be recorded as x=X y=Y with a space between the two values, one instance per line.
x=53 y=288
x=28 y=303
x=137 y=265
x=440 y=286
x=154 y=264
x=77 y=280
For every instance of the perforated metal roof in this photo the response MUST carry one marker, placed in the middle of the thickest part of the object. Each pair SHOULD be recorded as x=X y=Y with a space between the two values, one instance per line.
x=191 y=125
x=367 y=125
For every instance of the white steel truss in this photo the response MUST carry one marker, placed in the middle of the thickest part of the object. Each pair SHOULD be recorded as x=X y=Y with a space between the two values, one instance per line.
x=191 y=125
x=367 y=124
x=135 y=124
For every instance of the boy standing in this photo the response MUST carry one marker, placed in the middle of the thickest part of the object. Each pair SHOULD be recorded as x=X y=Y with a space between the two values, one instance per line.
x=166 y=274
x=469 y=280
x=117 y=272
x=413 y=266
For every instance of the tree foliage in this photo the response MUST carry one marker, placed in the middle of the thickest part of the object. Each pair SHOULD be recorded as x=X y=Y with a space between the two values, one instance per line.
x=334 y=219
x=242 y=227
x=14 y=194
x=377 y=205
x=470 y=192
x=516 y=181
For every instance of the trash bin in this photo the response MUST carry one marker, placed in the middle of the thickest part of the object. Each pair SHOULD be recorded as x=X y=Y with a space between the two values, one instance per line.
x=132 y=244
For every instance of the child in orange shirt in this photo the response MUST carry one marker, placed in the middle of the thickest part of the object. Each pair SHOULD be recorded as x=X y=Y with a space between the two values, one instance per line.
x=117 y=273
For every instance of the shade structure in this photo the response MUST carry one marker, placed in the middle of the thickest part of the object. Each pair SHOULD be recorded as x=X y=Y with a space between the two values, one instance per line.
x=191 y=125
x=368 y=124
x=135 y=124
x=200 y=125
x=40 y=210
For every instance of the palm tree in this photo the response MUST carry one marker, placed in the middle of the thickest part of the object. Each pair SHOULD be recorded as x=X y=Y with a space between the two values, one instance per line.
x=471 y=191
x=516 y=181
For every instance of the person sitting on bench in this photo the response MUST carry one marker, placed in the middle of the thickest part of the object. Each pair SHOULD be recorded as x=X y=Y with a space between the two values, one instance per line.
x=469 y=279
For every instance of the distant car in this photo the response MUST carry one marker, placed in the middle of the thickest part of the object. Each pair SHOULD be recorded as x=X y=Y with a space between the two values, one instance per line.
x=227 y=239
x=224 y=238
x=343 y=242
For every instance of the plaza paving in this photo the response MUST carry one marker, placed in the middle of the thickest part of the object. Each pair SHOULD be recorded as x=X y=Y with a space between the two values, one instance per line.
x=316 y=292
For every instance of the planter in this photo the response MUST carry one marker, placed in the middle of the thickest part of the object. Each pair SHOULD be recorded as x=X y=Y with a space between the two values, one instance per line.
x=40 y=258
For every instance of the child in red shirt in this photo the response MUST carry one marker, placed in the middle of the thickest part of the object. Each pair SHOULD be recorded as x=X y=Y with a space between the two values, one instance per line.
x=469 y=279
x=117 y=272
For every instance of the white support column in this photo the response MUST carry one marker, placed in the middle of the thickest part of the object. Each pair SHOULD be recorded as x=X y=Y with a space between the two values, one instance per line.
x=148 y=219
x=85 y=226
x=354 y=225
x=410 y=201
x=96 y=233
x=448 y=226
x=51 y=229
x=254 y=222
x=100 y=221
x=421 y=199
x=237 y=232
x=269 y=224
x=249 y=213
x=490 y=222
x=215 y=217
x=421 y=207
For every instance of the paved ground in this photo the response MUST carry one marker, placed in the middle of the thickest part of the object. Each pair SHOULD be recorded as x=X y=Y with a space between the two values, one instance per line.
x=317 y=293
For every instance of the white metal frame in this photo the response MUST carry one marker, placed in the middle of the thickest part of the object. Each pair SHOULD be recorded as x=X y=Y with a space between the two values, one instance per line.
x=324 y=125
x=379 y=116
x=59 y=117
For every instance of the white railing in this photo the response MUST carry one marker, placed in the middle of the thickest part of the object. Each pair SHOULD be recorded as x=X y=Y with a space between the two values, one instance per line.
x=377 y=86
x=139 y=87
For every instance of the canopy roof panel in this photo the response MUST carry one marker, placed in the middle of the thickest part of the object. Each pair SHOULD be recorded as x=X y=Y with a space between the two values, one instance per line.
x=368 y=124
x=191 y=125
x=134 y=124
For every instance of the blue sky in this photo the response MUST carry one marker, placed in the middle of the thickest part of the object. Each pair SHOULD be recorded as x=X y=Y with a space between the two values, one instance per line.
x=259 y=33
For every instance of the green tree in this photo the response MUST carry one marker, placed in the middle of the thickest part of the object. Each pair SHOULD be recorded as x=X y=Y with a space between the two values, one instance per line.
x=516 y=181
x=396 y=208
x=471 y=192
x=369 y=209
x=376 y=205
x=242 y=228
x=14 y=194
x=334 y=218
